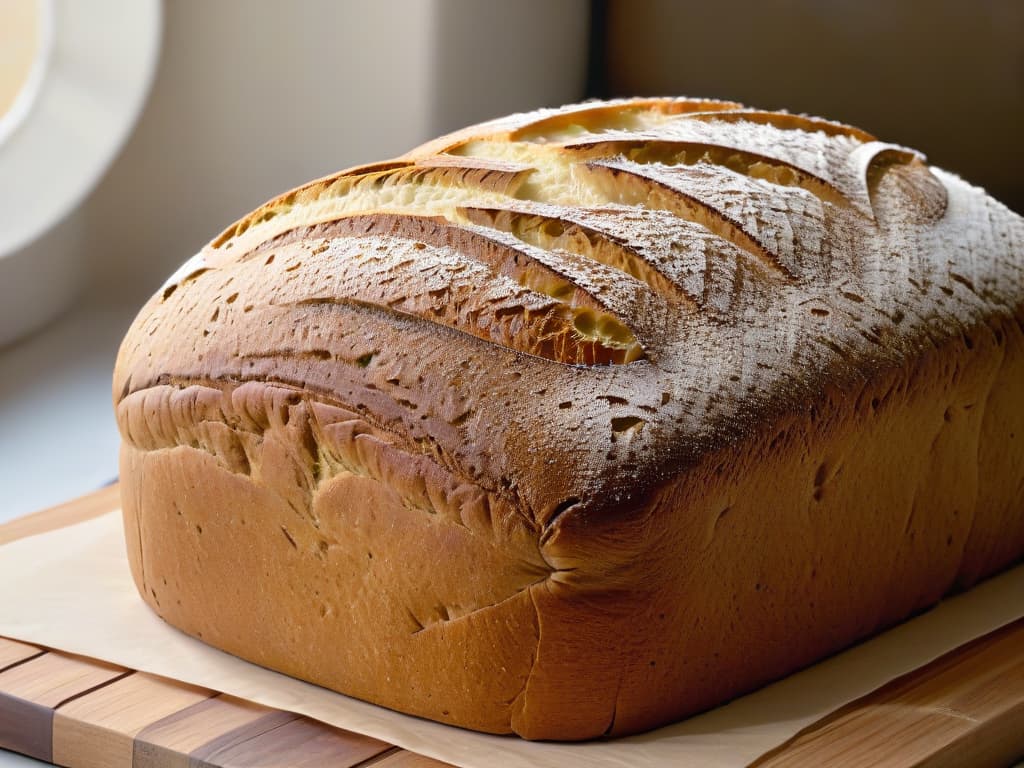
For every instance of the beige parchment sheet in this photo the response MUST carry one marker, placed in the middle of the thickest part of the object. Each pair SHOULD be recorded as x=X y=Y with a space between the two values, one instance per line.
x=71 y=590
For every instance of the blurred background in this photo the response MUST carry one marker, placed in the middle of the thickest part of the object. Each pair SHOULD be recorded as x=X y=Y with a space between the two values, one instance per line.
x=249 y=98
x=133 y=131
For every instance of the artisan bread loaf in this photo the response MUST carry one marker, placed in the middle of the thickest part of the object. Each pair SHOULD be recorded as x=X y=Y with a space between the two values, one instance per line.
x=581 y=421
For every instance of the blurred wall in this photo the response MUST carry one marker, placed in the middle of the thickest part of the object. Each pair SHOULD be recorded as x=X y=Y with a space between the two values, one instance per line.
x=943 y=76
x=253 y=98
x=493 y=58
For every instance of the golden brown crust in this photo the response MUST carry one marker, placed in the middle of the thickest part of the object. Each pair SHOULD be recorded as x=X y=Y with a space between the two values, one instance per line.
x=316 y=547
x=623 y=357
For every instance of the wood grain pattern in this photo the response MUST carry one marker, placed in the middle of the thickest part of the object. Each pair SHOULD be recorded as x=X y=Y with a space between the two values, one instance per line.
x=297 y=742
x=404 y=759
x=966 y=708
x=98 y=730
x=55 y=678
x=88 y=714
x=32 y=691
x=167 y=743
x=12 y=652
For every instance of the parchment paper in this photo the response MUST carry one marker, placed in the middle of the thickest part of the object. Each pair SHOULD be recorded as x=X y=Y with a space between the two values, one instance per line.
x=71 y=590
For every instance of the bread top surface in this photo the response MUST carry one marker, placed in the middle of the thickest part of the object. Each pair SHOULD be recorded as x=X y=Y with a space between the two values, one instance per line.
x=570 y=306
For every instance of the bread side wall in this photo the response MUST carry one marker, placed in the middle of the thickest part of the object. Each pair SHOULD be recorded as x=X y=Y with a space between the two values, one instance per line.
x=832 y=525
x=848 y=517
x=285 y=532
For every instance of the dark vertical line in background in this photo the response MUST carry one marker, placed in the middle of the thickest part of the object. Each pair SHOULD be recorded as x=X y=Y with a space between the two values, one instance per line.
x=597 y=58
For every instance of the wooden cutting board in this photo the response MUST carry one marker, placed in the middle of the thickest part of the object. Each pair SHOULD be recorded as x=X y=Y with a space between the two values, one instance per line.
x=964 y=709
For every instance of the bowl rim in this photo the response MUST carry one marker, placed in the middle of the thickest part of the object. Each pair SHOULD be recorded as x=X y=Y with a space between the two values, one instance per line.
x=86 y=88
x=29 y=89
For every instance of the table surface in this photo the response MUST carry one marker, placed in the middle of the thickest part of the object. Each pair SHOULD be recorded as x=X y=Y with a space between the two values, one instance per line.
x=55 y=406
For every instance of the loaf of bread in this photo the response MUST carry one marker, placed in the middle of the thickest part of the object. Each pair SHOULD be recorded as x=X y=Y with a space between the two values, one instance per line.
x=578 y=422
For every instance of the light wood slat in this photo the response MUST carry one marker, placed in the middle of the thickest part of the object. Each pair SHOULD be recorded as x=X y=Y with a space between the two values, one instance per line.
x=30 y=691
x=965 y=708
x=206 y=755
x=97 y=730
x=168 y=743
x=298 y=743
x=54 y=677
x=76 y=511
x=12 y=652
x=403 y=759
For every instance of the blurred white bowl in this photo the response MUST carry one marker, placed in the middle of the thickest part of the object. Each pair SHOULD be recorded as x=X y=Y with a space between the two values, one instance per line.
x=93 y=67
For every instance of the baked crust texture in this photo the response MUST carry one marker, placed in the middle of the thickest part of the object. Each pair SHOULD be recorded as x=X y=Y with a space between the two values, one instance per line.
x=581 y=421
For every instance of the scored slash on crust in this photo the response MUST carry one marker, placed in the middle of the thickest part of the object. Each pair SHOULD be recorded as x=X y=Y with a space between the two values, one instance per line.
x=519 y=204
